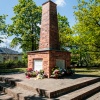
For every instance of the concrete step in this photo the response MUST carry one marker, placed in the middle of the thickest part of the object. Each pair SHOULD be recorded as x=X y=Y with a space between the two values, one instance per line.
x=81 y=94
x=25 y=90
x=72 y=87
x=4 y=96
x=18 y=92
x=10 y=81
x=50 y=94
x=16 y=82
x=94 y=97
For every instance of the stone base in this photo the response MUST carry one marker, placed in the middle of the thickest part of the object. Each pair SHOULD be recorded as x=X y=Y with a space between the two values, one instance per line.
x=75 y=87
x=49 y=58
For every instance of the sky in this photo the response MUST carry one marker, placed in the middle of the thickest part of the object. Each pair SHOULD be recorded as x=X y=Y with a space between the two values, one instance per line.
x=64 y=7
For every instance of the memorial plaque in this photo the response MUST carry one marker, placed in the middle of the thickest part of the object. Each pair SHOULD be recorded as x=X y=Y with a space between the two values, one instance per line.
x=60 y=63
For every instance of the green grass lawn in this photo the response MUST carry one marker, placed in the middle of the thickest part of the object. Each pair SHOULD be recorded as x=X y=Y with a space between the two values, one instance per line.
x=12 y=70
x=84 y=71
x=90 y=71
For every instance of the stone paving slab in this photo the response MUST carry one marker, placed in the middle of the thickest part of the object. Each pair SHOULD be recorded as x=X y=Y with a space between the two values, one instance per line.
x=80 y=93
x=5 y=96
x=95 y=97
x=50 y=84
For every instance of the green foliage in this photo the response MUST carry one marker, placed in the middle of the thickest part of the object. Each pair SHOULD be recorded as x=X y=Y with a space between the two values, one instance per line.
x=64 y=31
x=26 y=28
x=90 y=71
x=24 y=58
x=9 y=64
x=86 y=32
x=3 y=26
x=41 y=71
x=20 y=64
x=25 y=25
x=12 y=70
x=2 y=66
x=12 y=64
x=34 y=74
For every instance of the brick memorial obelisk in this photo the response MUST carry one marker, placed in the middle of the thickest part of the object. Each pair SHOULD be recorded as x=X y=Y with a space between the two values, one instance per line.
x=49 y=54
x=49 y=37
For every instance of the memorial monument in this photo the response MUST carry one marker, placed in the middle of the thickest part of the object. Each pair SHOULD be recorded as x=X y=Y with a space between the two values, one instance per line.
x=49 y=54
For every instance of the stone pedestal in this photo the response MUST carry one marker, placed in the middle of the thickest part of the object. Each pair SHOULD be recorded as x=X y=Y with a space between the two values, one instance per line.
x=49 y=59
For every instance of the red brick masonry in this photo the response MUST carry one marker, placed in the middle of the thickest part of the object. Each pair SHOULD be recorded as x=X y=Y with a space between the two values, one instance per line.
x=49 y=59
x=49 y=46
x=49 y=36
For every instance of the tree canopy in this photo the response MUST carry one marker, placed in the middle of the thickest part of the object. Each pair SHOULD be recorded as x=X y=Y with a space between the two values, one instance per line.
x=26 y=28
x=3 y=26
x=87 y=30
x=64 y=31
x=25 y=25
x=83 y=41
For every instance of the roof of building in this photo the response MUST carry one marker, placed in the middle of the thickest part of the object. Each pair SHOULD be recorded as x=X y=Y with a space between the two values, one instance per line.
x=7 y=51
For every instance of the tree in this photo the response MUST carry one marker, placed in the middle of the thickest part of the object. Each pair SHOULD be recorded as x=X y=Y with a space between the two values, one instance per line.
x=25 y=25
x=64 y=31
x=3 y=26
x=87 y=30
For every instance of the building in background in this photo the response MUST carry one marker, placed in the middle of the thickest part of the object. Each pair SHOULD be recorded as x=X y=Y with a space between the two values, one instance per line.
x=8 y=54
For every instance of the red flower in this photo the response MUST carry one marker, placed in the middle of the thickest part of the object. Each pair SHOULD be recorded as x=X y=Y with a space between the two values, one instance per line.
x=29 y=69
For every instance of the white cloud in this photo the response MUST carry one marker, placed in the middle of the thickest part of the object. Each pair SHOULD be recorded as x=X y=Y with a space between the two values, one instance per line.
x=5 y=43
x=60 y=2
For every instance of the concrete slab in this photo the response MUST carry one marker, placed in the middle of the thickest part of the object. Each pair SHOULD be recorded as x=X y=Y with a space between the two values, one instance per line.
x=50 y=84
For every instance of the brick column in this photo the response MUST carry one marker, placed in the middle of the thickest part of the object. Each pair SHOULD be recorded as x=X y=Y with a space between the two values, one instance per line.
x=49 y=37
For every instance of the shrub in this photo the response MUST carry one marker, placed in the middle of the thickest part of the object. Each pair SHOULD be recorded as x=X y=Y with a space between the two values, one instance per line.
x=20 y=64
x=9 y=64
x=15 y=64
x=2 y=66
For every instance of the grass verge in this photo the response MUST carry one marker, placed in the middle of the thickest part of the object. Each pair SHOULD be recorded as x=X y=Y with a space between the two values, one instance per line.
x=12 y=70
x=86 y=71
